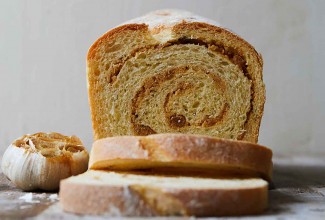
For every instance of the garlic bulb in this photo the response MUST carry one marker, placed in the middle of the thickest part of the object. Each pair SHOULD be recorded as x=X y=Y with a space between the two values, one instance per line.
x=41 y=160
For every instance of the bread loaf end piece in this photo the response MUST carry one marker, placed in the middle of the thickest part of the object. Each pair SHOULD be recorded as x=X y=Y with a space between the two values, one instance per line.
x=174 y=72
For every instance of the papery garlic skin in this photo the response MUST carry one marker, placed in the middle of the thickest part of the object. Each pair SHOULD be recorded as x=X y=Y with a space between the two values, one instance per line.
x=30 y=170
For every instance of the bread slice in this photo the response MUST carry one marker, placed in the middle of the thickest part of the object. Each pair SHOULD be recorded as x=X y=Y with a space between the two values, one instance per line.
x=175 y=72
x=119 y=194
x=183 y=155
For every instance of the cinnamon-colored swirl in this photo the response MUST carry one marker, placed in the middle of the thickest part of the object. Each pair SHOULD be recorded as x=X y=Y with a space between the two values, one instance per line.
x=184 y=76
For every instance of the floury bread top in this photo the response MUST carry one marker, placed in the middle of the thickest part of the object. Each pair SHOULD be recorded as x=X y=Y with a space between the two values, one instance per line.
x=180 y=154
x=174 y=72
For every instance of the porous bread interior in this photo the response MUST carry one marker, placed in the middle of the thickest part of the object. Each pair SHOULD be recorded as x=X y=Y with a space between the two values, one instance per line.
x=92 y=177
x=128 y=49
x=176 y=167
x=102 y=63
x=50 y=144
x=194 y=93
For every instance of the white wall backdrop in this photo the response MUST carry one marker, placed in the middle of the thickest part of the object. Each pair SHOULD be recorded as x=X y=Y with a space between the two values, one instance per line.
x=43 y=45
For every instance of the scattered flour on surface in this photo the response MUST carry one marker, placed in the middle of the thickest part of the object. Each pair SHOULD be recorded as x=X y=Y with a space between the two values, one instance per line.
x=28 y=197
x=53 y=197
x=36 y=198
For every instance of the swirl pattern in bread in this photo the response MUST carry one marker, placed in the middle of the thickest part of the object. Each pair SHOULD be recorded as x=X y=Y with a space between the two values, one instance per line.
x=175 y=74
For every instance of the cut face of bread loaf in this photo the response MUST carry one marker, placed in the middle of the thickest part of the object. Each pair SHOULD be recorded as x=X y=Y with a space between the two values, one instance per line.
x=174 y=72
x=183 y=155
x=118 y=194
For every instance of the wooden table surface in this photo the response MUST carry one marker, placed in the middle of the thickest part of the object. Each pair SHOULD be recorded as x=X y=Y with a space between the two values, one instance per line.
x=299 y=193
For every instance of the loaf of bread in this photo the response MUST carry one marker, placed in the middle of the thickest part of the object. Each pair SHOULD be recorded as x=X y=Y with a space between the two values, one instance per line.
x=120 y=194
x=182 y=155
x=183 y=99
x=174 y=72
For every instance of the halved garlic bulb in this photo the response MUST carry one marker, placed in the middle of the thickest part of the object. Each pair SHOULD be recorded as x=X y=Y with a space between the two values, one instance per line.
x=41 y=160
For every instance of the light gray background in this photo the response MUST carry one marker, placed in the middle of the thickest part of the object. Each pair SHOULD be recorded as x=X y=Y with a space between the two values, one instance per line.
x=43 y=45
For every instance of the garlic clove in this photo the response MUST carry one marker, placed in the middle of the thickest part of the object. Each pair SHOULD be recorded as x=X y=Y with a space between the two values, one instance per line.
x=41 y=160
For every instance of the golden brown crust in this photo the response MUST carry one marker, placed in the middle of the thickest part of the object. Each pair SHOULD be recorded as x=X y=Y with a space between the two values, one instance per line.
x=217 y=39
x=144 y=200
x=96 y=200
x=253 y=123
x=111 y=34
x=184 y=153
x=200 y=25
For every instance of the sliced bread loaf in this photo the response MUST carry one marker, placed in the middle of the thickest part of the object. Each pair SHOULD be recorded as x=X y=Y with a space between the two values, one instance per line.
x=175 y=72
x=118 y=194
x=183 y=155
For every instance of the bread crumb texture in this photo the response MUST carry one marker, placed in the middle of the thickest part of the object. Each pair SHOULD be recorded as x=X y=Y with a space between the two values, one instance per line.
x=180 y=74
x=119 y=194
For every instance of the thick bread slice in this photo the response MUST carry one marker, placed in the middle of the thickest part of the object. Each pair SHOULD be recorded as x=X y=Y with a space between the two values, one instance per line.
x=182 y=154
x=117 y=194
x=174 y=72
